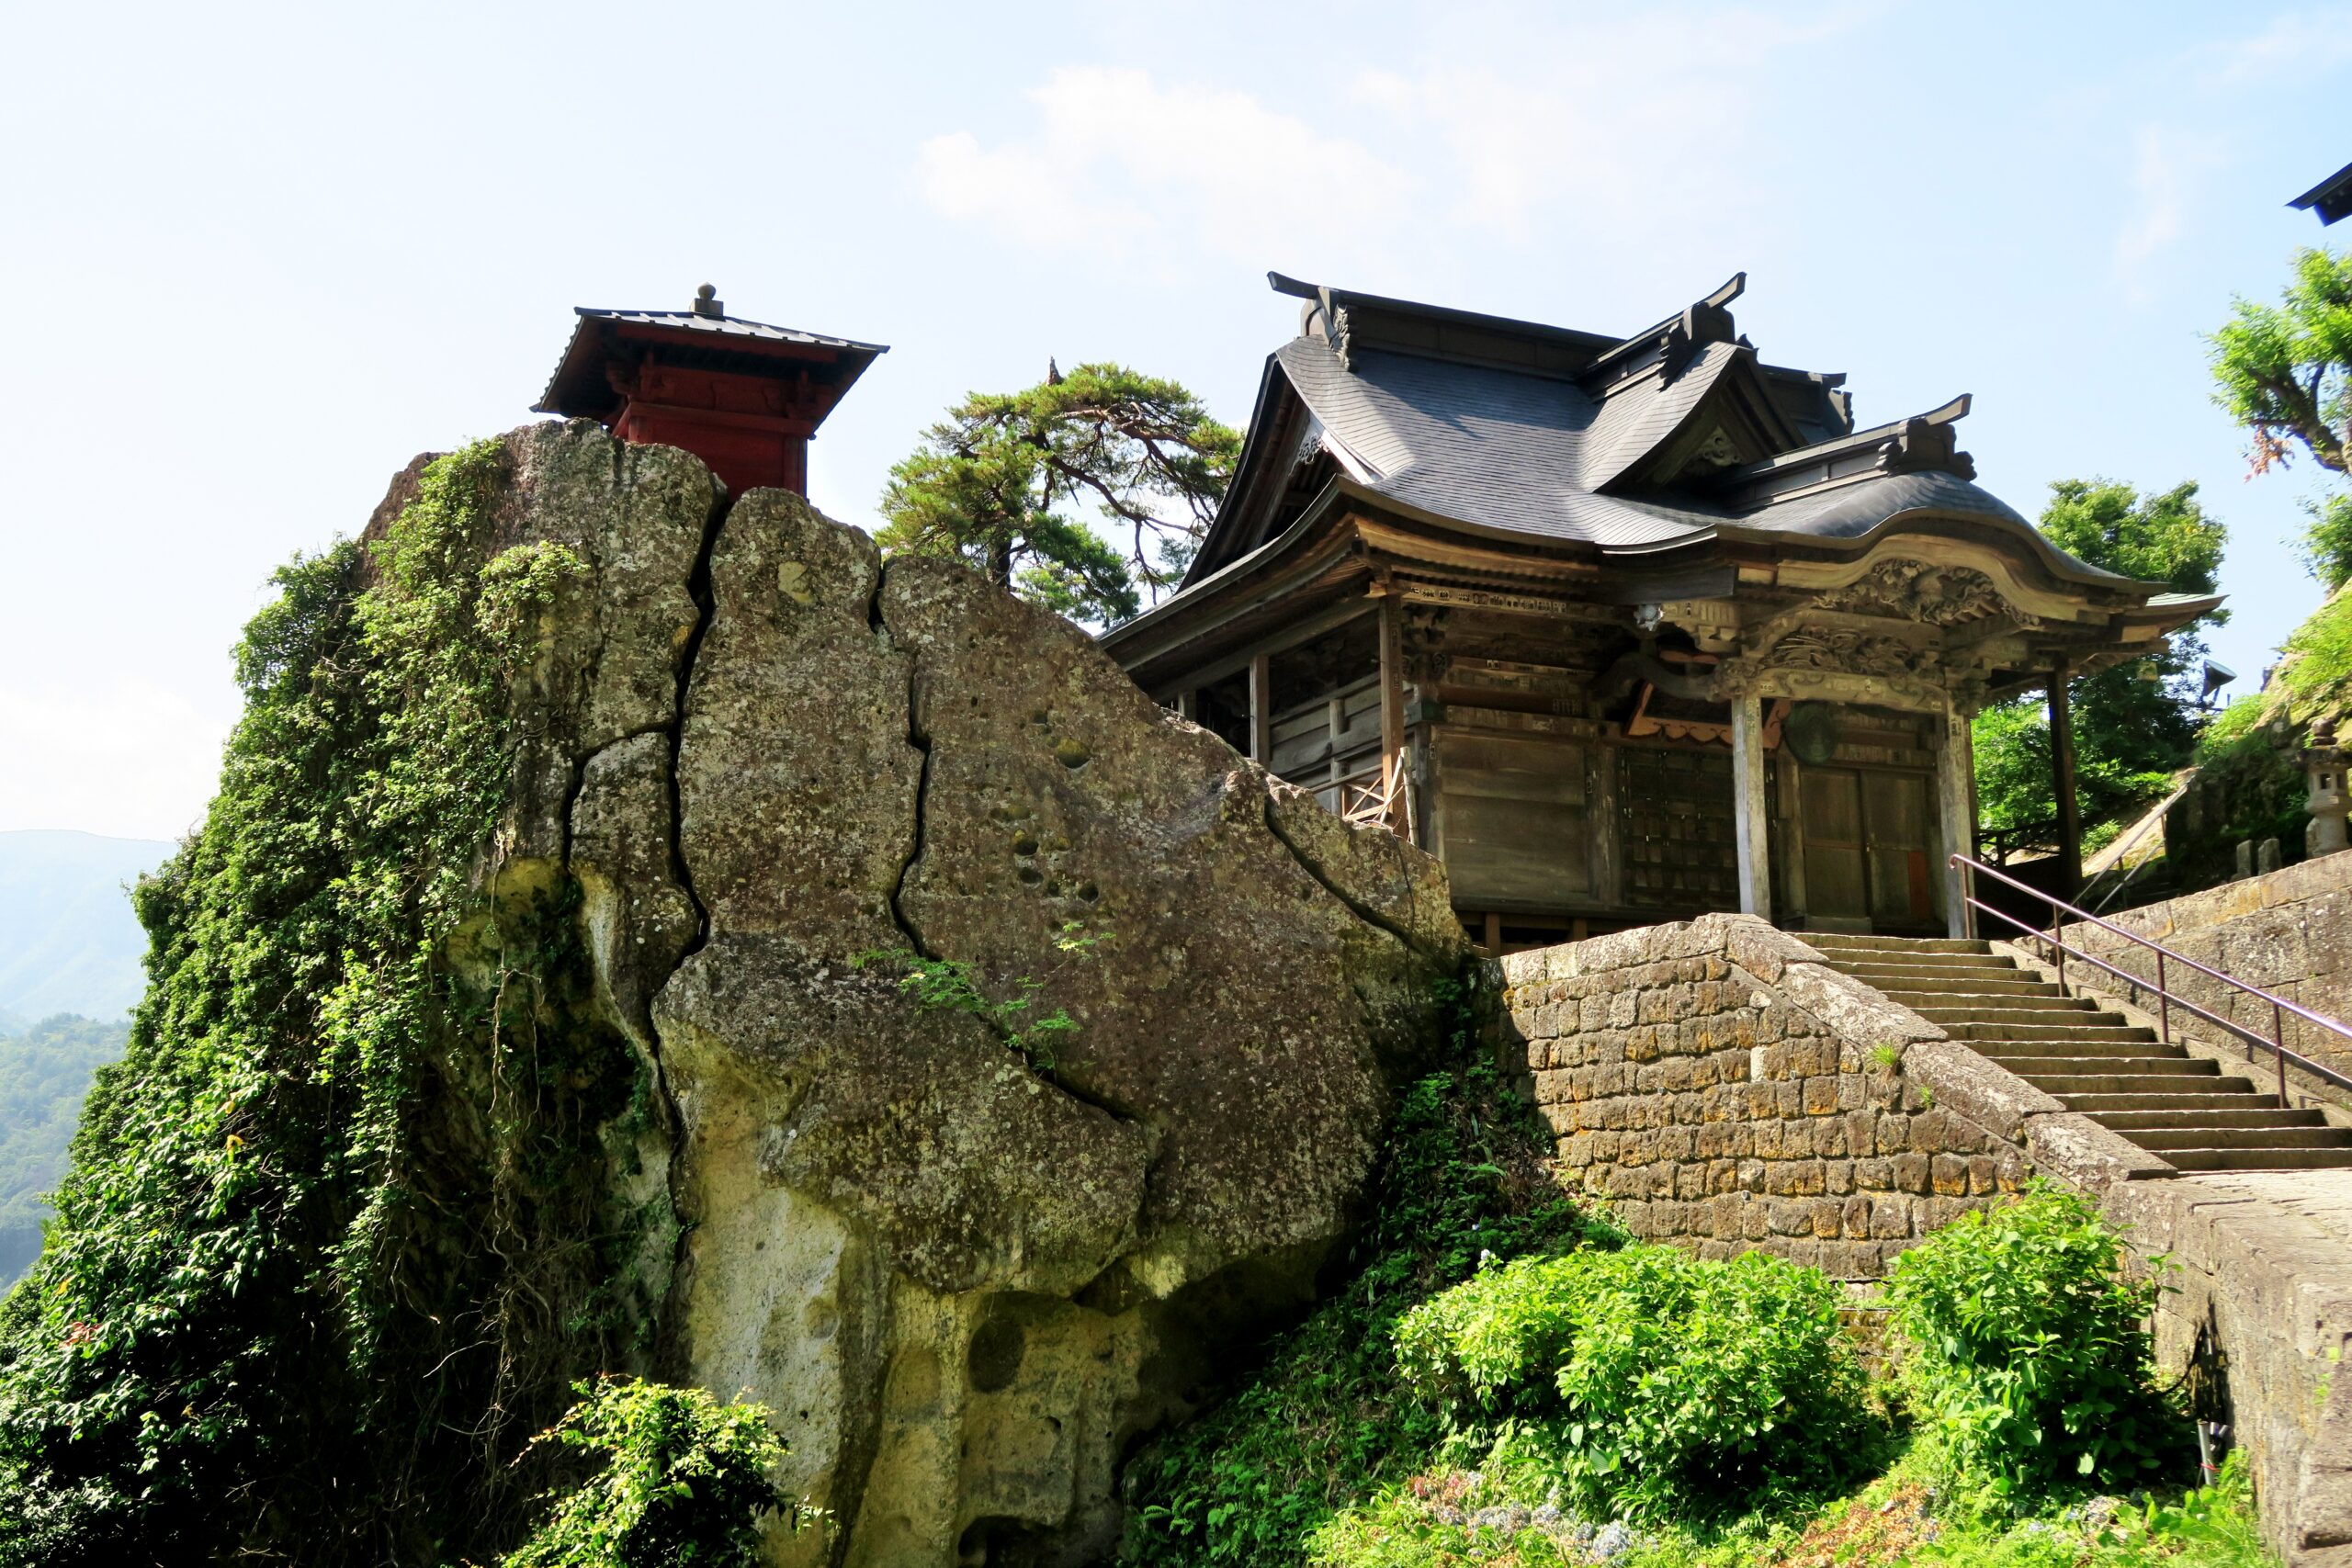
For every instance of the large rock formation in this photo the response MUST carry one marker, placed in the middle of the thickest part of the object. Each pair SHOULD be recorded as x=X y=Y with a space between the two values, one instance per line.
x=964 y=1260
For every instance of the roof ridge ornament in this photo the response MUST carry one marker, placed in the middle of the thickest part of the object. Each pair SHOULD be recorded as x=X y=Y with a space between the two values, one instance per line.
x=707 y=303
x=1928 y=444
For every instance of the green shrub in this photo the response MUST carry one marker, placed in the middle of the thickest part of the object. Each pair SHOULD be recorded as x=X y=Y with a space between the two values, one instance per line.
x=2327 y=543
x=2318 y=666
x=1320 y=1422
x=2028 y=1349
x=1651 y=1382
x=681 y=1479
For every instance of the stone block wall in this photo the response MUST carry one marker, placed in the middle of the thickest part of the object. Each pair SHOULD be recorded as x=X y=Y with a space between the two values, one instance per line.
x=2289 y=931
x=1719 y=1086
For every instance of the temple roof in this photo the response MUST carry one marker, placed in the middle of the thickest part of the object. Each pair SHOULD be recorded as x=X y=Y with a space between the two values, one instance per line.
x=579 y=386
x=2330 y=198
x=1673 y=435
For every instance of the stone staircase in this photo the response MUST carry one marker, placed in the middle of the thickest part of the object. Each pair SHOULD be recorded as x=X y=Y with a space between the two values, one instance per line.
x=2179 y=1107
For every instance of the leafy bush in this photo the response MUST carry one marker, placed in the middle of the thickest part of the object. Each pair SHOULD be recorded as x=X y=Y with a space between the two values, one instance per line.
x=2028 y=1353
x=683 y=1480
x=1321 y=1421
x=1651 y=1382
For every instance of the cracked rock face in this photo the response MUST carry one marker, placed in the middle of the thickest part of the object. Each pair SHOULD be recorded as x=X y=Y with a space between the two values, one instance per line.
x=965 y=1270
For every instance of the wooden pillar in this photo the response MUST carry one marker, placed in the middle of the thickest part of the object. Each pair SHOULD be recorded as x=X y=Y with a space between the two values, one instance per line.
x=1956 y=797
x=2061 y=756
x=1262 y=710
x=1790 y=776
x=1188 y=704
x=1392 y=681
x=1750 y=829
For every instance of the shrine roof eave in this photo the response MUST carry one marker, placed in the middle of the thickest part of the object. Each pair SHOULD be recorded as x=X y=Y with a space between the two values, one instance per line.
x=1261 y=573
x=576 y=387
x=1275 y=568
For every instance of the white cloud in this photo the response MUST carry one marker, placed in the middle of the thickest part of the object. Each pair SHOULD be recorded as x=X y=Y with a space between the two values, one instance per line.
x=1120 y=162
x=125 y=758
x=1642 y=117
x=2293 y=48
x=2165 y=163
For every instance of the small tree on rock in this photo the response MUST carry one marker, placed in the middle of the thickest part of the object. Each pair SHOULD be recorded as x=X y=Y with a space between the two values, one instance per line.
x=1003 y=480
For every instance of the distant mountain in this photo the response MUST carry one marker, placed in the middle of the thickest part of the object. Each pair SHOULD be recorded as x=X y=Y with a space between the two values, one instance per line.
x=68 y=940
x=44 y=1072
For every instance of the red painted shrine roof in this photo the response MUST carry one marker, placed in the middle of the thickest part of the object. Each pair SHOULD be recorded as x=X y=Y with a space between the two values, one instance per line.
x=703 y=337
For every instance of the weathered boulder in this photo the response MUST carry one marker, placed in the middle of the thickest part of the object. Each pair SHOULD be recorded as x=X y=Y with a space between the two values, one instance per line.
x=965 y=1259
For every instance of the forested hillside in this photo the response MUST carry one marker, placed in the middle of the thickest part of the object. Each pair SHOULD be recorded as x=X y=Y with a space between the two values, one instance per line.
x=44 y=1073
x=69 y=941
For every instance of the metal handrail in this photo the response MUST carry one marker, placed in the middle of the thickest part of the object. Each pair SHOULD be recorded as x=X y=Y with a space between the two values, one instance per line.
x=2279 y=1006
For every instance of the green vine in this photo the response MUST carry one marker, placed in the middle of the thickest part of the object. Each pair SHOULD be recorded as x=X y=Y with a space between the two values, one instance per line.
x=338 y=1228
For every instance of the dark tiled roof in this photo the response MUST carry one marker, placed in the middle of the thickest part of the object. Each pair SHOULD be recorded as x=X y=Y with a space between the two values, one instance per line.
x=1523 y=454
x=1849 y=510
x=2332 y=197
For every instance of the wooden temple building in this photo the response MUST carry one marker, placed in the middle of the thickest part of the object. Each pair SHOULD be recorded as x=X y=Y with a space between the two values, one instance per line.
x=1624 y=628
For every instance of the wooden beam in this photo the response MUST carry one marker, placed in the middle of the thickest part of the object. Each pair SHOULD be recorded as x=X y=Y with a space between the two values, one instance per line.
x=1956 y=795
x=1750 y=829
x=1392 y=681
x=2061 y=756
x=1262 y=710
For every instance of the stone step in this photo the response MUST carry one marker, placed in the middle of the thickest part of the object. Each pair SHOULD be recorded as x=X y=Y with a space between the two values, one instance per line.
x=2165 y=1140
x=2160 y=1096
x=1924 y=962
x=2027 y=1046
x=2043 y=1029
x=2132 y=1123
x=1966 y=1009
x=1967 y=989
x=2258 y=1159
x=1825 y=941
x=2033 y=1070
x=2093 y=1080
x=1981 y=981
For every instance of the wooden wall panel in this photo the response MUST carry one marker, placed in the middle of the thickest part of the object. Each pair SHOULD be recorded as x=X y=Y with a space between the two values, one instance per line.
x=1517 y=823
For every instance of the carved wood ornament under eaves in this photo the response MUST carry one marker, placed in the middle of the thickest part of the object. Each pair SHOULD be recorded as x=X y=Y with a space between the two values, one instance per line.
x=1422 y=641
x=1918 y=591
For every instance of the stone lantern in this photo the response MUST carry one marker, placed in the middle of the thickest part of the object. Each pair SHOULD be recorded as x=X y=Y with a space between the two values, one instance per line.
x=2325 y=760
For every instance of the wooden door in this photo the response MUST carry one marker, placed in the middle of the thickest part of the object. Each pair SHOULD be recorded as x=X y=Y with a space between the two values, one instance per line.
x=1867 y=847
x=1897 y=817
x=1836 y=871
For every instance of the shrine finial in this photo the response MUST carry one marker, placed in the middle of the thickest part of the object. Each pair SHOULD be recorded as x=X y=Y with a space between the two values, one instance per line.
x=706 y=301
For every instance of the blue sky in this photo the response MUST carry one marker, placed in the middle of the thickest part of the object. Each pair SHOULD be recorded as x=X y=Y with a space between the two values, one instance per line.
x=257 y=257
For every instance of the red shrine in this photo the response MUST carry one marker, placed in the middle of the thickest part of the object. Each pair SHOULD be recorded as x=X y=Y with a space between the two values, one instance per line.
x=742 y=396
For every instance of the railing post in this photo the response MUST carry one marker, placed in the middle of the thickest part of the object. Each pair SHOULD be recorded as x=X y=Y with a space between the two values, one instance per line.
x=2057 y=945
x=2278 y=1045
x=2164 y=997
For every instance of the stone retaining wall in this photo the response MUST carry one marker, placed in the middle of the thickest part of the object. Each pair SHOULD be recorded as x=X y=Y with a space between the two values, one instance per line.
x=2289 y=931
x=1719 y=1085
